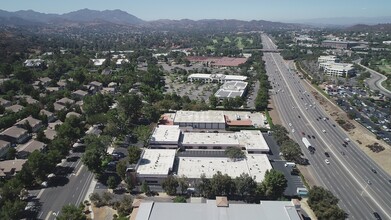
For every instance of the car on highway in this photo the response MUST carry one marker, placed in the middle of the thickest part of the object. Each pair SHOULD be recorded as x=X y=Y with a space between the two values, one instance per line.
x=299 y=116
x=324 y=131
x=327 y=161
x=290 y=124
x=302 y=133
x=327 y=154
x=377 y=216
x=373 y=170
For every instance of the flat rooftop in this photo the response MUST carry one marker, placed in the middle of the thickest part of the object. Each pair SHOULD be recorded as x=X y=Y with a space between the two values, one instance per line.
x=255 y=165
x=165 y=133
x=156 y=162
x=194 y=138
x=199 y=117
x=252 y=140
x=210 y=210
x=256 y=119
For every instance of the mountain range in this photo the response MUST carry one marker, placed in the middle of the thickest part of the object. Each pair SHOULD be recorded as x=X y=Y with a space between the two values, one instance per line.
x=118 y=17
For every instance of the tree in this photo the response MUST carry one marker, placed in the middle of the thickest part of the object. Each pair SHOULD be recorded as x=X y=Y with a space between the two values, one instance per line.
x=12 y=209
x=170 y=185
x=121 y=169
x=183 y=183
x=234 y=153
x=179 y=199
x=280 y=134
x=96 y=199
x=222 y=184
x=274 y=184
x=245 y=185
x=112 y=182
x=129 y=184
x=204 y=187
x=324 y=204
x=107 y=197
x=71 y=212
x=134 y=154
x=145 y=188
x=124 y=207
x=291 y=151
x=213 y=101
x=143 y=133
x=11 y=153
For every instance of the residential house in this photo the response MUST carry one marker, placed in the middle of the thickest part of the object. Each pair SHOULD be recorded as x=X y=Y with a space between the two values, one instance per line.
x=50 y=116
x=34 y=63
x=95 y=86
x=9 y=168
x=4 y=146
x=45 y=81
x=79 y=94
x=35 y=124
x=53 y=125
x=62 y=83
x=107 y=71
x=5 y=103
x=14 y=108
x=50 y=133
x=26 y=149
x=69 y=114
x=15 y=135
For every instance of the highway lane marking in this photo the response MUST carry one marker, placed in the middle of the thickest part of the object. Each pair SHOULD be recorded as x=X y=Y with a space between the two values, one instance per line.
x=78 y=172
x=319 y=136
x=319 y=167
x=40 y=193
x=48 y=215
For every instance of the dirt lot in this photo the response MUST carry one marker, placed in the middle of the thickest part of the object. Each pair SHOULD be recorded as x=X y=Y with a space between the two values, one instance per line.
x=359 y=133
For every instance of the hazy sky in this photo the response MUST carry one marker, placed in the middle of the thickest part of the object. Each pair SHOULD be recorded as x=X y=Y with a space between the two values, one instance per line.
x=274 y=10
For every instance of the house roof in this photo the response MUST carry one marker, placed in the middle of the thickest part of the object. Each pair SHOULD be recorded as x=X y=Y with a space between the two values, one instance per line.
x=95 y=83
x=4 y=102
x=14 y=132
x=65 y=100
x=14 y=108
x=31 y=146
x=50 y=134
x=32 y=121
x=8 y=165
x=46 y=112
x=4 y=144
x=69 y=114
x=80 y=93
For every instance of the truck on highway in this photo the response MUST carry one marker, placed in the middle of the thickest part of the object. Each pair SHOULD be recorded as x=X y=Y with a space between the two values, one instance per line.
x=308 y=145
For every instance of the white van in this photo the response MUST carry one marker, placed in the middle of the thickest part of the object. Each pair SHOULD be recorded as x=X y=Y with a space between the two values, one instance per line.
x=290 y=164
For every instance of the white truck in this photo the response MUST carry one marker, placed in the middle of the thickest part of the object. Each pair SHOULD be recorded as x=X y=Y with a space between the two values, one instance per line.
x=308 y=145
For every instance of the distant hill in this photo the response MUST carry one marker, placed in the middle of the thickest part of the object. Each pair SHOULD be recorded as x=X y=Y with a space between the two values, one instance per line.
x=87 y=16
x=377 y=28
x=345 y=21
x=80 y=16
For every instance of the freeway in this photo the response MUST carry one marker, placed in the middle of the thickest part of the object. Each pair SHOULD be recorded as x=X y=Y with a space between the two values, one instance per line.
x=360 y=184
x=54 y=197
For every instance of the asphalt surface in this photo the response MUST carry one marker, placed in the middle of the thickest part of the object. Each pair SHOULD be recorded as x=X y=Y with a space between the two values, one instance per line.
x=294 y=181
x=72 y=191
x=348 y=175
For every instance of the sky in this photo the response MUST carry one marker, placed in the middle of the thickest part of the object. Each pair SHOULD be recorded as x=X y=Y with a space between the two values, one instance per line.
x=272 y=10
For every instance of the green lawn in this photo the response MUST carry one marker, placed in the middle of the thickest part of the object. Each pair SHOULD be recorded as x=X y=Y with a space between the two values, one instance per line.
x=226 y=39
x=239 y=42
x=215 y=41
x=385 y=67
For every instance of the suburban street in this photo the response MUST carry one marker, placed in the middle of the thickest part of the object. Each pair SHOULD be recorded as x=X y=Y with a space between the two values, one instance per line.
x=360 y=184
x=74 y=192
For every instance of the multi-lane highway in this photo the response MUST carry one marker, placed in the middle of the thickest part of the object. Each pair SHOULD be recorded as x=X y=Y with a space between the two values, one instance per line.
x=361 y=185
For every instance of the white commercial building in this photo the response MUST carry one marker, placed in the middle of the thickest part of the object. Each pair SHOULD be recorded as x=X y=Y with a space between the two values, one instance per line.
x=200 y=119
x=155 y=165
x=98 y=62
x=328 y=59
x=165 y=136
x=250 y=140
x=231 y=89
x=219 y=78
x=254 y=165
x=338 y=69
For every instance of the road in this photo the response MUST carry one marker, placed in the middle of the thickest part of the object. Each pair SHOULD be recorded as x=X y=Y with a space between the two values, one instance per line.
x=375 y=82
x=349 y=175
x=55 y=197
